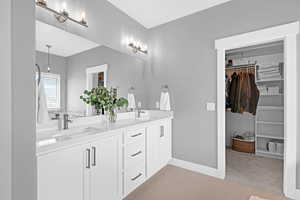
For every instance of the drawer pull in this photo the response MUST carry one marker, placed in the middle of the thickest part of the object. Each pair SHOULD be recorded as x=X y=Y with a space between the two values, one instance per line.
x=137 y=153
x=136 y=135
x=138 y=176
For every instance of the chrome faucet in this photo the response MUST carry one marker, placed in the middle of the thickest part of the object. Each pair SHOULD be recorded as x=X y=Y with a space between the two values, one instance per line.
x=139 y=111
x=66 y=121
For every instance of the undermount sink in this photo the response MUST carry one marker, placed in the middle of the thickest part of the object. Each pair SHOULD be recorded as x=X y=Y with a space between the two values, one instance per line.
x=76 y=131
x=65 y=135
x=144 y=115
x=143 y=118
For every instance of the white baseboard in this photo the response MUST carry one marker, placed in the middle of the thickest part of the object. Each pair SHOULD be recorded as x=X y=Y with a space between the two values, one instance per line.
x=297 y=194
x=196 y=168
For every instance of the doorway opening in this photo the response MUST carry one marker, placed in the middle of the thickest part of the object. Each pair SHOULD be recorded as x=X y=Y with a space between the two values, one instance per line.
x=255 y=116
x=288 y=34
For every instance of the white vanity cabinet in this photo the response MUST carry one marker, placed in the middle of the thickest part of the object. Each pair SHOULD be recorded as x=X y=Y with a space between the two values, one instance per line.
x=61 y=174
x=85 y=172
x=159 y=146
x=105 y=174
x=108 y=166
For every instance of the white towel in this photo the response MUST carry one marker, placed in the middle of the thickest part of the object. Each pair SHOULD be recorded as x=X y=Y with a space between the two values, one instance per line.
x=42 y=109
x=165 y=101
x=131 y=101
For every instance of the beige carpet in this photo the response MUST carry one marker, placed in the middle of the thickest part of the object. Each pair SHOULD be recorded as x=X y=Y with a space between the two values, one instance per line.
x=256 y=198
x=173 y=183
x=255 y=171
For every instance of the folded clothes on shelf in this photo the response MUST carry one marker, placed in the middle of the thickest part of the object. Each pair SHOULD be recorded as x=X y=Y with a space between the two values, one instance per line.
x=269 y=75
x=264 y=90
x=270 y=72
x=269 y=68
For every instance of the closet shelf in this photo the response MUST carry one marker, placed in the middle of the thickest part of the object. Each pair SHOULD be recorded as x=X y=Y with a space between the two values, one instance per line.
x=269 y=123
x=269 y=80
x=270 y=137
x=279 y=94
x=270 y=108
x=265 y=152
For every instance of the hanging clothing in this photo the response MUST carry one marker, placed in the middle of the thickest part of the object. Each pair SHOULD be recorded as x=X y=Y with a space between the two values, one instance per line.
x=227 y=84
x=243 y=94
x=254 y=95
x=233 y=88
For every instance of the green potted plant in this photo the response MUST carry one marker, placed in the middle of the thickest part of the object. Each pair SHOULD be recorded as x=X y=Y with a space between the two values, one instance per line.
x=102 y=98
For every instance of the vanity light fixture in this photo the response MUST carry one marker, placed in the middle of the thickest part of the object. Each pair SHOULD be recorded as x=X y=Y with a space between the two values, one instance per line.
x=138 y=47
x=63 y=15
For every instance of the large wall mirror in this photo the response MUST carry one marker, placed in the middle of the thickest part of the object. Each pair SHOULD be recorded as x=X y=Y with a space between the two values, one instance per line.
x=70 y=64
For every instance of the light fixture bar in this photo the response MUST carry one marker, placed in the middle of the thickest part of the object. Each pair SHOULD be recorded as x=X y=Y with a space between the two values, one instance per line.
x=43 y=4
x=137 y=48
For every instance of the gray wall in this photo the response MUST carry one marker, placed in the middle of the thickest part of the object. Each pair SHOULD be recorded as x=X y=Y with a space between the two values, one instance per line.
x=107 y=25
x=184 y=57
x=23 y=146
x=5 y=106
x=124 y=71
x=58 y=66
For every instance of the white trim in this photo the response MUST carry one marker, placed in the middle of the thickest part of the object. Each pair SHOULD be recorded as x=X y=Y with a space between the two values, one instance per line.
x=89 y=80
x=287 y=33
x=258 y=37
x=297 y=194
x=290 y=115
x=196 y=168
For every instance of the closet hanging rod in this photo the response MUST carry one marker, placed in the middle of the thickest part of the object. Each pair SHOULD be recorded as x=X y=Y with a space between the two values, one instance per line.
x=252 y=65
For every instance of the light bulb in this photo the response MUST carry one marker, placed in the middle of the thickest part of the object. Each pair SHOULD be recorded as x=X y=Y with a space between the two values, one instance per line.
x=130 y=41
x=83 y=16
x=145 y=47
x=64 y=6
x=138 y=44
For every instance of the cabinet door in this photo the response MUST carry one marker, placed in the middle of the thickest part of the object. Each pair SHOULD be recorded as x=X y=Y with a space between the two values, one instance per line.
x=60 y=174
x=165 y=143
x=153 y=160
x=106 y=171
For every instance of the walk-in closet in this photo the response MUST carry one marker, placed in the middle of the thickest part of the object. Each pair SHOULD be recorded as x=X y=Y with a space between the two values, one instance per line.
x=255 y=115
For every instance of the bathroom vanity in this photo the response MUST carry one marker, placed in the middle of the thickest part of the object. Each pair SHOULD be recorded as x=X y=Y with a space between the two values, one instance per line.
x=96 y=160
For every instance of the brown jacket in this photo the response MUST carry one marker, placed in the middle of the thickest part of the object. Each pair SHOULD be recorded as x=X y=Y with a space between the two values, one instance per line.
x=243 y=93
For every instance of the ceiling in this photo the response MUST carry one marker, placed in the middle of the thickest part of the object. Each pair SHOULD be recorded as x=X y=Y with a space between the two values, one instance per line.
x=63 y=43
x=151 y=13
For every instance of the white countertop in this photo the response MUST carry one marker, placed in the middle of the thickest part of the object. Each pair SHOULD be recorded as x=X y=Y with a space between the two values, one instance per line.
x=88 y=129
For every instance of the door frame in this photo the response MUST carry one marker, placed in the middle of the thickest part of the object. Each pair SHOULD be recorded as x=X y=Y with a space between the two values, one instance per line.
x=287 y=33
x=89 y=81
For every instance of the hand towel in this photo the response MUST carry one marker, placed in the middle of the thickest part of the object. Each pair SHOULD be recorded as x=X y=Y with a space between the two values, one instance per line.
x=131 y=101
x=165 y=101
x=42 y=109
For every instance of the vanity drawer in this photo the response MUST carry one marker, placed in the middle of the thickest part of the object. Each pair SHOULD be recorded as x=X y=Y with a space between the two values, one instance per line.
x=134 y=178
x=135 y=154
x=133 y=136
